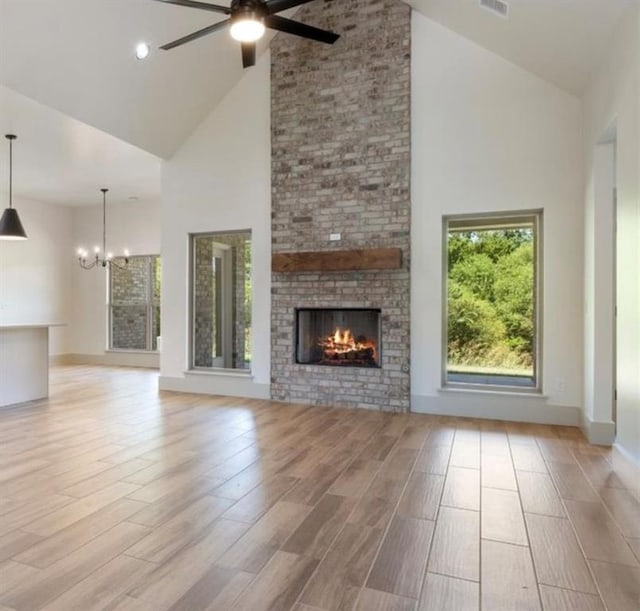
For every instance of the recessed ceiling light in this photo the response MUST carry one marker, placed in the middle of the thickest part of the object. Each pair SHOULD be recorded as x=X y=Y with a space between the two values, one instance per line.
x=142 y=50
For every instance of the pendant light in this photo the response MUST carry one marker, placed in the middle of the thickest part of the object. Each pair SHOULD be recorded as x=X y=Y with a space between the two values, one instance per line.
x=104 y=258
x=10 y=226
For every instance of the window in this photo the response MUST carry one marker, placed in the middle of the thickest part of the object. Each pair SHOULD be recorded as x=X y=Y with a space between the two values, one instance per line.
x=221 y=300
x=134 y=304
x=492 y=288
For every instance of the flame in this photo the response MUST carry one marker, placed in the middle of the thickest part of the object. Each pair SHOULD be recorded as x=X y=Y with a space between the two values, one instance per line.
x=343 y=341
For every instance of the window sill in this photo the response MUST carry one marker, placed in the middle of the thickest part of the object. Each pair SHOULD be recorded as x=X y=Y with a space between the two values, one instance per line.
x=124 y=351
x=234 y=373
x=533 y=394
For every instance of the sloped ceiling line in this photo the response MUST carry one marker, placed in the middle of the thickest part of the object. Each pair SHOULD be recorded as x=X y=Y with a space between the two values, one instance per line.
x=79 y=56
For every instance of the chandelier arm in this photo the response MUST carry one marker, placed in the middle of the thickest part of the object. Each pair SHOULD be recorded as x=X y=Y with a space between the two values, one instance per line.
x=85 y=265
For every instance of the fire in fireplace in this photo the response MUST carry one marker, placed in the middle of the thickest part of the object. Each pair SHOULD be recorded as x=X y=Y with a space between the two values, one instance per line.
x=343 y=346
x=342 y=337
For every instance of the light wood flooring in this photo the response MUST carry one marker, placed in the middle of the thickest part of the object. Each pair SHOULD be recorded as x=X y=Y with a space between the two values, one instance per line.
x=116 y=497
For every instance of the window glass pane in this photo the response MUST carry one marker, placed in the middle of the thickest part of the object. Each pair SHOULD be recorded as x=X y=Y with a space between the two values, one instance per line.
x=129 y=327
x=221 y=300
x=156 y=278
x=130 y=283
x=135 y=303
x=156 y=275
x=155 y=325
x=491 y=301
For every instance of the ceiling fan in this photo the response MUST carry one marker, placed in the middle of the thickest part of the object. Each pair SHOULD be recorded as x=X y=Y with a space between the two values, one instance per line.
x=248 y=20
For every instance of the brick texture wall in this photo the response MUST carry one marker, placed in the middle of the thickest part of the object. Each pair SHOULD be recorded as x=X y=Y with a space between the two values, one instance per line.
x=341 y=163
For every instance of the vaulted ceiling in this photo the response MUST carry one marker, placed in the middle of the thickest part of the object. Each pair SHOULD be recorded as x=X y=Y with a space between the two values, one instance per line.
x=64 y=161
x=77 y=57
x=561 y=41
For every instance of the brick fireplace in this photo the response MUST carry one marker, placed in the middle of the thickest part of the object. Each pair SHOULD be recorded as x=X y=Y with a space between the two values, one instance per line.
x=341 y=165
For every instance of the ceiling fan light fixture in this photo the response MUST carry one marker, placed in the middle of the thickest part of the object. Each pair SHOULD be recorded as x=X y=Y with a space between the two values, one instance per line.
x=247 y=29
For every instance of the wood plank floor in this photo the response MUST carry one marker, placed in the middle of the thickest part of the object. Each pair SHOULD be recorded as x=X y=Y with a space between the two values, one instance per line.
x=116 y=497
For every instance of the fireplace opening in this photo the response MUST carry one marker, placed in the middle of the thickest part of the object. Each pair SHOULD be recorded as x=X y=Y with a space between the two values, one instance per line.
x=339 y=337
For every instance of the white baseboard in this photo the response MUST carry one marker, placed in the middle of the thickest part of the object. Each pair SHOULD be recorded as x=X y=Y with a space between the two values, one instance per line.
x=635 y=460
x=496 y=406
x=601 y=433
x=216 y=384
x=110 y=359
x=59 y=359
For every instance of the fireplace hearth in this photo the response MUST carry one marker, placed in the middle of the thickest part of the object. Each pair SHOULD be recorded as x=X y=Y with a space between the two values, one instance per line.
x=338 y=337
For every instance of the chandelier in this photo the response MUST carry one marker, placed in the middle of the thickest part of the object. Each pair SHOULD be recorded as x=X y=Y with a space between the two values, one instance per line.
x=101 y=257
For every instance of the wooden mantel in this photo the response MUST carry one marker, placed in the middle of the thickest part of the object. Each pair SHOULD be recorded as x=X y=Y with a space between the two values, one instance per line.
x=337 y=260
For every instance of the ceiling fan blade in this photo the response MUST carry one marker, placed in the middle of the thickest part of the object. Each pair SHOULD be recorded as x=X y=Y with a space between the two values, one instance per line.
x=300 y=29
x=275 y=6
x=195 y=35
x=248 y=54
x=200 y=5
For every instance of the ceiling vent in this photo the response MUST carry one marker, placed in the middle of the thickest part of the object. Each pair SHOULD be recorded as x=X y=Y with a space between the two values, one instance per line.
x=499 y=7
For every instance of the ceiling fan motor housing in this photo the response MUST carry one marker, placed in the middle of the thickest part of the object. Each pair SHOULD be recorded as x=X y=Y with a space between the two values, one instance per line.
x=248 y=9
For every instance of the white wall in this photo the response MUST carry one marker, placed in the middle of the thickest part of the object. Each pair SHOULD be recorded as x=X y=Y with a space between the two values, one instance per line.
x=612 y=104
x=599 y=285
x=489 y=136
x=35 y=275
x=220 y=180
x=135 y=226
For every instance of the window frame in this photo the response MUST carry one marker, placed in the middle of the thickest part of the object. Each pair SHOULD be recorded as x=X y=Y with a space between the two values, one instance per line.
x=149 y=305
x=491 y=220
x=192 y=237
